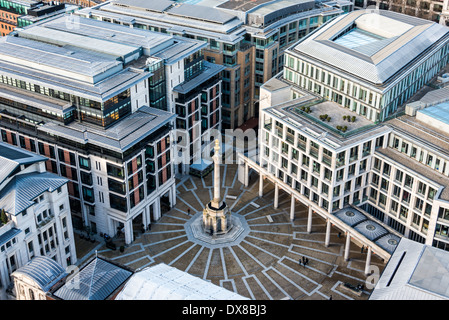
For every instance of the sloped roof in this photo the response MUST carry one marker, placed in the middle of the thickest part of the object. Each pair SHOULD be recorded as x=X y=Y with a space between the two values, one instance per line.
x=96 y=281
x=11 y=157
x=45 y=272
x=20 y=192
x=162 y=282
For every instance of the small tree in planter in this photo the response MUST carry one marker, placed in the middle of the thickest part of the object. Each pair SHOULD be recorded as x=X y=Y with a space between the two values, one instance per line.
x=122 y=248
x=353 y=118
x=3 y=217
x=344 y=117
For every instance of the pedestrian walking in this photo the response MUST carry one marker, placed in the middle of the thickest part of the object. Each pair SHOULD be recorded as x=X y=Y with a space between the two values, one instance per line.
x=363 y=247
x=307 y=261
x=330 y=298
x=339 y=235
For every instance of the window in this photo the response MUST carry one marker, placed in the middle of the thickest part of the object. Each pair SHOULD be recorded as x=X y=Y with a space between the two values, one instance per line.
x=305 y=160
x=443 y=214
x=431 y=193
x=399 y=175
x=84 y=162
x=408 y=181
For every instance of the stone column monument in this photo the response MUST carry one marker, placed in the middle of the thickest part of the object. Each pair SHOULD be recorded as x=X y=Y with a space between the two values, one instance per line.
x=216 y=215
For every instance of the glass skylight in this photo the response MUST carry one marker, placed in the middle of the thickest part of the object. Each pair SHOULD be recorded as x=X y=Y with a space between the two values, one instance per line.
x=357 y=37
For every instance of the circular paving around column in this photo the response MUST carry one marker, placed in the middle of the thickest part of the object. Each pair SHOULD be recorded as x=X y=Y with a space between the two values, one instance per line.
x=195 y=233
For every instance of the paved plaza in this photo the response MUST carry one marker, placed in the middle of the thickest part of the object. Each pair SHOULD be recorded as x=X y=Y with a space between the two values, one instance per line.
x=261 y=262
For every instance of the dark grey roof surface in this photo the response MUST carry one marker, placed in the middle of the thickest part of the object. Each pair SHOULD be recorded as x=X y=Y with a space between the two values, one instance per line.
x=118 y=137
x=210 y=70
x=96 y=281
x=152 y=5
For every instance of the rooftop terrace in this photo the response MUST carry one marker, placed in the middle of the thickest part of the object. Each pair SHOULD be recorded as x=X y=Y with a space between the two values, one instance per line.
x=327 y=120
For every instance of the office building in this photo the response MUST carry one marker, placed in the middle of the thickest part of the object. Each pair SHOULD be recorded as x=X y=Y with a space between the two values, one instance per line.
x=425 y=9
x=81 y=95
x=319 y=144
x=21 y=13
x=369 y=62
x=247 y=37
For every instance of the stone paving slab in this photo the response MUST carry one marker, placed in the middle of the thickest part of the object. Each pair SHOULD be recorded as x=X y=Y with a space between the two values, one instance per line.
x=264 y=263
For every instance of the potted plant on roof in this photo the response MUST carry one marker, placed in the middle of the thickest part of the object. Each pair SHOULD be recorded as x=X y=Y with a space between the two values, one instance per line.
x=3 y=217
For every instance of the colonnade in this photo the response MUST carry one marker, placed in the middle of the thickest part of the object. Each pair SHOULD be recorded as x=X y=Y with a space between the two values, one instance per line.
x=309 y=221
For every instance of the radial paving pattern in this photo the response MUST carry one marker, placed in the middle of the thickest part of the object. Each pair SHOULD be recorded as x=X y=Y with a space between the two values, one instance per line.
x=263 y=264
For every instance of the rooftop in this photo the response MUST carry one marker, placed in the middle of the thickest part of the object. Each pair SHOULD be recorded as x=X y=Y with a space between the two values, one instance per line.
x=162 y=282
x=45 y=272
x=41 y=56
x=422 y=133
x=97 y=280
x=209 y=71
x=116 y=36
x=100 y=91
x=366 y=226
x=182 y=18
x=20 y=192
x=120 y=136
x=12 y=157
x=414 y=272
x=242 y=5
x=308 y=113
x=371 y=46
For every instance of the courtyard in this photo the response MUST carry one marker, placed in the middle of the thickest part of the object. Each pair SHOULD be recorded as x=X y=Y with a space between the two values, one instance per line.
x=262 y=263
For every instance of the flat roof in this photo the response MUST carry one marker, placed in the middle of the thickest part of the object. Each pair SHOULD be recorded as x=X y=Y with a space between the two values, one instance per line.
x=120 y=136
x=401 y=39
x=290 y=112
x=439 y=112
x=242 y=5
x=210 y=70
x=47 y=57
x=158 y=6
x=62 y=37
x=113 y=33
x=230 y=31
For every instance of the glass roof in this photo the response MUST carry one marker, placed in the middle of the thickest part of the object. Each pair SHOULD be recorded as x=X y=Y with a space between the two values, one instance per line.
x=357 y=37
x=439 y=112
